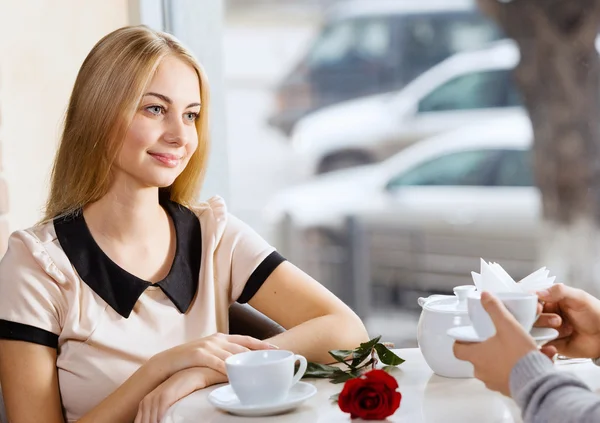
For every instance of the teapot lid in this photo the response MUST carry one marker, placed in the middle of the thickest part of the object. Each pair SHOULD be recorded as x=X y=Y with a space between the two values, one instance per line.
x=449 y=303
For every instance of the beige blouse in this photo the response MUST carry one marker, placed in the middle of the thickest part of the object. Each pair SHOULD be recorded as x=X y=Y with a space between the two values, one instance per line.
x=59 y=289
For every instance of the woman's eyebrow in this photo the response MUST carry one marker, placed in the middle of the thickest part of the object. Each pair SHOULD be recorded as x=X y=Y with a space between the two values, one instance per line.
x=162 y=97
x=168 y=100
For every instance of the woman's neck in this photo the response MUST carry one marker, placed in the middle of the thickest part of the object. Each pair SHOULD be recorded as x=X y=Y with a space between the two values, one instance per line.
x=126 y=215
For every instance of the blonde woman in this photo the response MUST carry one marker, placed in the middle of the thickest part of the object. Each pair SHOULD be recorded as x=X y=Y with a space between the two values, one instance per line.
x=115 y=306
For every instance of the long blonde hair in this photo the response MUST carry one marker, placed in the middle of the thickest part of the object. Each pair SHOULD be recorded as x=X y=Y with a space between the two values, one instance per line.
x=106 y=95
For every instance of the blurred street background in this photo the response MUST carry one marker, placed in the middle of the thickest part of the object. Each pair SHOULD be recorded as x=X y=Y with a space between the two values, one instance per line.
x=264 y=41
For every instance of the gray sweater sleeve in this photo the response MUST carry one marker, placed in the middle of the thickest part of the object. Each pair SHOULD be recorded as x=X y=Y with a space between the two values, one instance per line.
x=548 y=396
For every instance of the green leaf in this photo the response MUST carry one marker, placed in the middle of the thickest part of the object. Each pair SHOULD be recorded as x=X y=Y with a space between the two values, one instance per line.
x=361 y=361
x=334 y=397
x=341 y=355
x=367 y=347
x=388 y=368
x=342 y=377
x=387 y=356
x=363 y=351
x=320 y=371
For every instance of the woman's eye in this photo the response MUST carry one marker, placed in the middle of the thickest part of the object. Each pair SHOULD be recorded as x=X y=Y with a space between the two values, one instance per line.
x=191 y=116
x=155 y=110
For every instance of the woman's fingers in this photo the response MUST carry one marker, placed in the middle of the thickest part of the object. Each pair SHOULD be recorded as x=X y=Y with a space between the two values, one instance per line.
x=162 y=410
x=235 y=348
x=215 y=360
x=143 y=412
x=250 y=343
x=211 y=352
x=212 y=377
x=154 y=416
x=218 y=353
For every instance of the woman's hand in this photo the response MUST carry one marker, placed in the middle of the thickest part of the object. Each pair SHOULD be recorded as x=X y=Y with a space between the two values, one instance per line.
x=154 y=406
x=576 y=316
x=210 y=352
x=495 y=358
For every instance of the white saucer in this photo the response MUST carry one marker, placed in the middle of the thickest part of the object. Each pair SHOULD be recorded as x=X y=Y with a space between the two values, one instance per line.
x=468 y=334
x=225 y=399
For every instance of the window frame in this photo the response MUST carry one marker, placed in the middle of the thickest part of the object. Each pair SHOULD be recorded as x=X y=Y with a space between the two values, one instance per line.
x=488 y=165
x=504 y=157
x=505 y=95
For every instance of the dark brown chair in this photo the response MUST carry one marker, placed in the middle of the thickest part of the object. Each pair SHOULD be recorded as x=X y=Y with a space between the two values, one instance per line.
x=245 y=320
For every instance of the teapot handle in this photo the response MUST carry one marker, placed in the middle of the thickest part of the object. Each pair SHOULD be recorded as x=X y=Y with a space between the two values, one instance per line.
x=423 y=300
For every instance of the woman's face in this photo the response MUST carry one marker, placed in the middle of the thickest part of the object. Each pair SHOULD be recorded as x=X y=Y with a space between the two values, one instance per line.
x=162 y=136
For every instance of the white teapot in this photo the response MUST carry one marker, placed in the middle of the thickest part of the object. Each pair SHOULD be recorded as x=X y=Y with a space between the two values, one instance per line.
x=440 y=313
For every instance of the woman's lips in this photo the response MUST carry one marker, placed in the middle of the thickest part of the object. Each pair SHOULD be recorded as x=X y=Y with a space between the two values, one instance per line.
x=168 y=160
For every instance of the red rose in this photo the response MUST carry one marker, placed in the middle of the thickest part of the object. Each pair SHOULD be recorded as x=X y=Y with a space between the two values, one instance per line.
x=372 y=396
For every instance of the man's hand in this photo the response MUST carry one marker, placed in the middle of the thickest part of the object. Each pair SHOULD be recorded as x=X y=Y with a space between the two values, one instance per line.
x=495 y=358
x=576 y=316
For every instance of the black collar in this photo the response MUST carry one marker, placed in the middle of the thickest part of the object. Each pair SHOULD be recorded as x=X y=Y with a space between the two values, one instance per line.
x=119 y=288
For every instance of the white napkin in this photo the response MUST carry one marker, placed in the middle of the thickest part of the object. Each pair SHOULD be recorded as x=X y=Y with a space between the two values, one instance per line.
x=494 y=278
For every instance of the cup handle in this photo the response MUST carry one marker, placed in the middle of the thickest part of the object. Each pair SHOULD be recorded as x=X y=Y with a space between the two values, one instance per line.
x=301 y=369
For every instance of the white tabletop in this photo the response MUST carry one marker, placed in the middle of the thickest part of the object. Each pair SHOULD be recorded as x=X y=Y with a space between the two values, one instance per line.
x=426 y=397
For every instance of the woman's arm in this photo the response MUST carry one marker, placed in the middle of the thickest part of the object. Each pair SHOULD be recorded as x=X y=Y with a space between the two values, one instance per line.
x=29 y=380
x=317 y=321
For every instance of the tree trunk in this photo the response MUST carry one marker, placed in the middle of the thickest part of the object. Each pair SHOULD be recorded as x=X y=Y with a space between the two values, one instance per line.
x=558 y=77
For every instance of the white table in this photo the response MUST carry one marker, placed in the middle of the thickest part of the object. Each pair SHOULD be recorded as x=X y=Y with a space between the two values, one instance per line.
x=426 y=397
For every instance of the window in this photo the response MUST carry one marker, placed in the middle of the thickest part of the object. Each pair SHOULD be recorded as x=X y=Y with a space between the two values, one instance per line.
x=430 y=38
x=374 y=39
x=348 y=41
x=515 y=169
x=336 y=41
x=467 y=168
x=470 y=33
x=478 y=90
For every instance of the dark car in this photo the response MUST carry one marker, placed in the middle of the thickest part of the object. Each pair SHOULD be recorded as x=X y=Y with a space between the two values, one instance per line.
x=374 y=46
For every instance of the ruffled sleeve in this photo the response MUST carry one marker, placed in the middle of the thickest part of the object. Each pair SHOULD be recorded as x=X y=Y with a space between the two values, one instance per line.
x=32 y=304
x=248 y=258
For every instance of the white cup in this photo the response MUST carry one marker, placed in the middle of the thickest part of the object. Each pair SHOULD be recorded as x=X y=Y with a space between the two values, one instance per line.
x=521 y=305
x=264 y=376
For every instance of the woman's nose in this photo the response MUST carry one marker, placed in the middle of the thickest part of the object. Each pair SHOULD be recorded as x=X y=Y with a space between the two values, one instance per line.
x=175 y=132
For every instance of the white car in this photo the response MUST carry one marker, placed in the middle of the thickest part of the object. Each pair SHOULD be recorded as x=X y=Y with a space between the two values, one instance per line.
x=464 y=88
x=432 y=210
